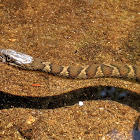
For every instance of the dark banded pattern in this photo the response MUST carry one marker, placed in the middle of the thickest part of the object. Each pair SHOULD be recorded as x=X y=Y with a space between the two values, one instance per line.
x=112 y=70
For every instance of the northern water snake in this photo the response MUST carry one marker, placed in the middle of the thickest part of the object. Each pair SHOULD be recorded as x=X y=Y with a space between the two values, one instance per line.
x=111 y=70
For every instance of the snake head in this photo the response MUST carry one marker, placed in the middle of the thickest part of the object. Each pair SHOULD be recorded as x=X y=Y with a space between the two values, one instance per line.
x=14 y=58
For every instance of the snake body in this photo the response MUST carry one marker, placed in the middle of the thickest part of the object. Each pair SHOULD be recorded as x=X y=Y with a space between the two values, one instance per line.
x=111 y=70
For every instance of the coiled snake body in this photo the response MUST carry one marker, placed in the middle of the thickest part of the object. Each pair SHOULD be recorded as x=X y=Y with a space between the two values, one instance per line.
x=112 y=70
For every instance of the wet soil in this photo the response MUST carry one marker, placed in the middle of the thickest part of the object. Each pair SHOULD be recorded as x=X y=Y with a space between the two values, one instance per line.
x=36 y=105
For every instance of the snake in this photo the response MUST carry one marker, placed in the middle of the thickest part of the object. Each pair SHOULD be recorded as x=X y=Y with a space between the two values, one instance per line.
x=103 y=70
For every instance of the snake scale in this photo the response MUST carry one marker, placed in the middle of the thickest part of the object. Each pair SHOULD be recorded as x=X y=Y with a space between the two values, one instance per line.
x=111 y=70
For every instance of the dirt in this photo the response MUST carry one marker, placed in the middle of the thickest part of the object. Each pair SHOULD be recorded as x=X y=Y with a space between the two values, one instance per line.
x=36 y=105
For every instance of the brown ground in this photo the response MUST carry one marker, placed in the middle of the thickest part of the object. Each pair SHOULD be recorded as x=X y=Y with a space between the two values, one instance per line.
x=68 y=32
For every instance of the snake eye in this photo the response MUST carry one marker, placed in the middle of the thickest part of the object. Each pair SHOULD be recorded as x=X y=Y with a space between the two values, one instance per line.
x=8 y=59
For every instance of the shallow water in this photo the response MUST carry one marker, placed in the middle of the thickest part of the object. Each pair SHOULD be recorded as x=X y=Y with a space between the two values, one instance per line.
x=77 y=32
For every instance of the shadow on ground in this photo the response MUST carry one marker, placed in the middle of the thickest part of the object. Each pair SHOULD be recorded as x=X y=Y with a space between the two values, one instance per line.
x=67 y=99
